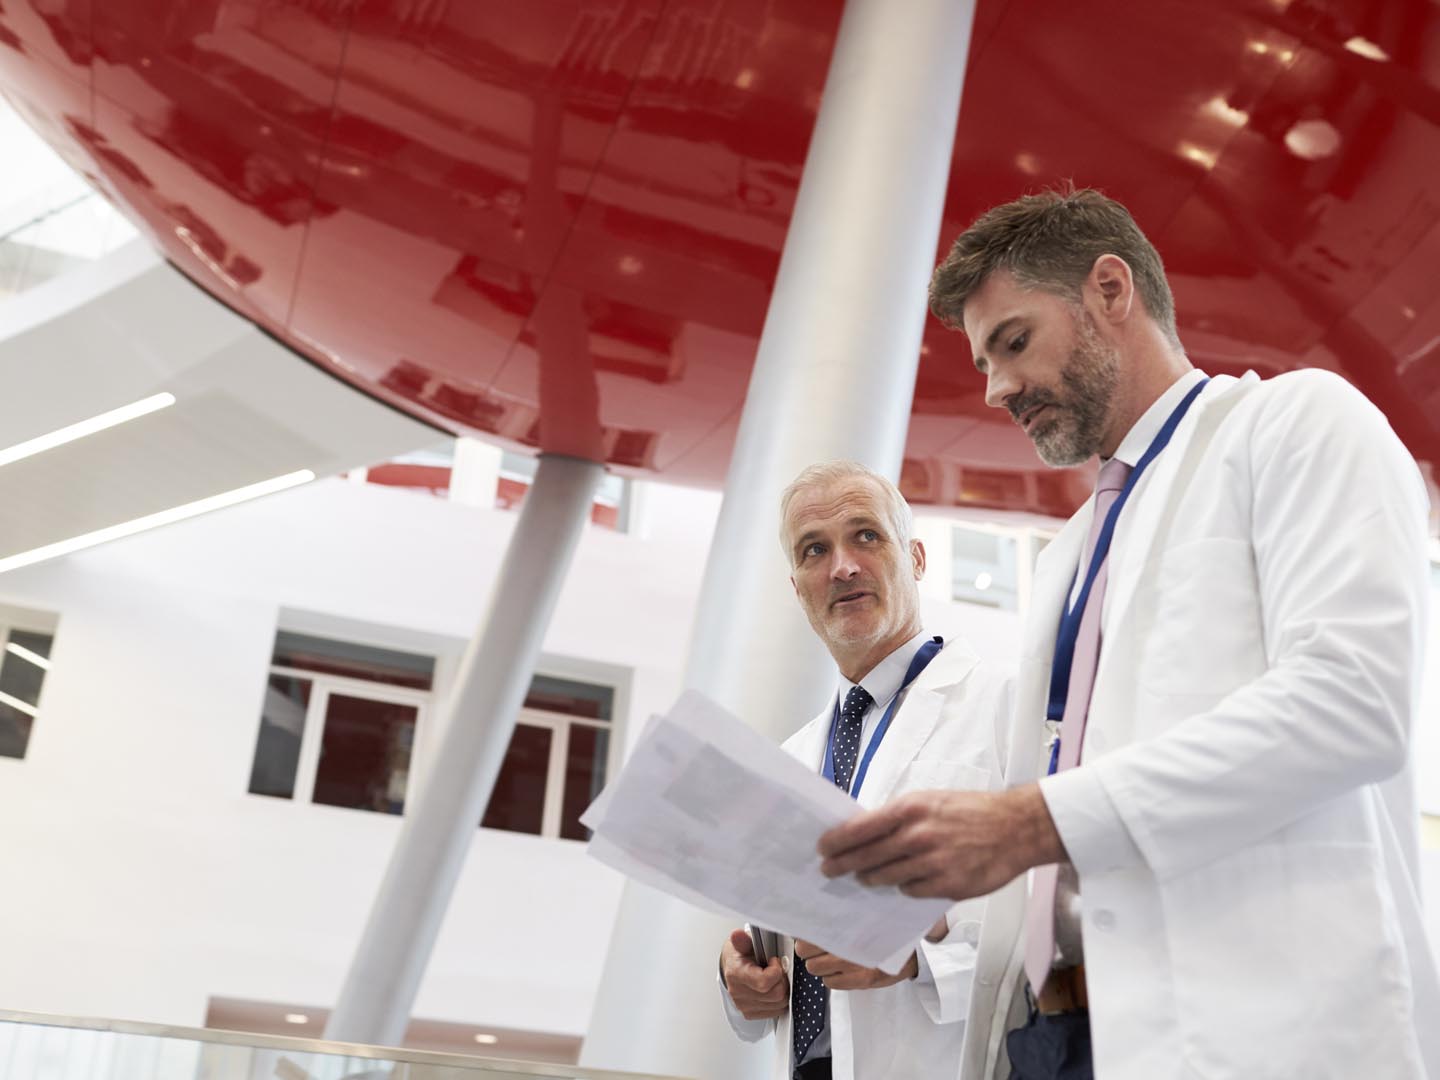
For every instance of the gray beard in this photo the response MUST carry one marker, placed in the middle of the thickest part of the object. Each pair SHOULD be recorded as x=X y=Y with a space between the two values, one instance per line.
x=1089 y=378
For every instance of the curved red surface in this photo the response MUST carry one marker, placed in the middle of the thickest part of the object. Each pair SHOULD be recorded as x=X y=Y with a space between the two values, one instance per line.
x=557 y=223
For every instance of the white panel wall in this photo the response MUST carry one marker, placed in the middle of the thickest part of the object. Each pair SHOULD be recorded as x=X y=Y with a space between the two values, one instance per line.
x=141 y=878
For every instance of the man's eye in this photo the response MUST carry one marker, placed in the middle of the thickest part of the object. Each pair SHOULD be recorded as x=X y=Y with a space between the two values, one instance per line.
x=869 y=534
x=1018 y=343
x=811 y=549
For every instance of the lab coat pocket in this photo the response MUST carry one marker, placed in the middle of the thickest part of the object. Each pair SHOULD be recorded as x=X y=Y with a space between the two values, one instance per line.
x=1202 y=628
x=946 y=775
x=1267 y=947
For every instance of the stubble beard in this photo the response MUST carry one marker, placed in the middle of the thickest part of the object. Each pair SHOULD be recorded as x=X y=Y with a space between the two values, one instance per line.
x=1088 y=379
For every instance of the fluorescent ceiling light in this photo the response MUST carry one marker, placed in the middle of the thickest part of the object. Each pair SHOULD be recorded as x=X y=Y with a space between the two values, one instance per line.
x=16 y=703
x=486 y=1039
x=150 y=521
x=105 y=420
x=26 y=654
x=296 y=1018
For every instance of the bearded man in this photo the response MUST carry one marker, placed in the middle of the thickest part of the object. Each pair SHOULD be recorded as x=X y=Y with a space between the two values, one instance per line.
x=1210 y=773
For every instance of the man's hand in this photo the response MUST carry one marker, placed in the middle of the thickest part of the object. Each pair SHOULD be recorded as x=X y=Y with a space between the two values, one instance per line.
x=957 y=844
x=760 y=993
x=839 y=974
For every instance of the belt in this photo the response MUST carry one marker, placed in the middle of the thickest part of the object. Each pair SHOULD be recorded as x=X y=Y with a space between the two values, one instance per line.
x=1064 y=992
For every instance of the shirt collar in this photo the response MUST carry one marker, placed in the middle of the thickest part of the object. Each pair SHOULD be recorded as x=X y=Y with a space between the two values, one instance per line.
x=1132 y=448
x=885 y=678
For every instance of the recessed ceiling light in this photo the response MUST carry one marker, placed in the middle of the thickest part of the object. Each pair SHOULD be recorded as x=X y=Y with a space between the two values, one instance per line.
x=1221 y=109
x=1312 y=139
x=296 y=1018
x=82 y=428
x=1368 y=49
x=150 y=521
x=1200 y=156
x=983 y=580
x=484 y=1038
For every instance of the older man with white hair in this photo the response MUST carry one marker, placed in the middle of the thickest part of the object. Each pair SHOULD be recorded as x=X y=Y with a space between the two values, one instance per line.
x=910 y=711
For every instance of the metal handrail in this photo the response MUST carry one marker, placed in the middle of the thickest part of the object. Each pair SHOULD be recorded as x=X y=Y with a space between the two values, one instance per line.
x=254 y=1040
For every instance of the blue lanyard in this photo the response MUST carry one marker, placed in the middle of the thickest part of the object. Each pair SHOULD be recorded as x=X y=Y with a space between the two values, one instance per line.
x=1070 y=619
x=923 y=657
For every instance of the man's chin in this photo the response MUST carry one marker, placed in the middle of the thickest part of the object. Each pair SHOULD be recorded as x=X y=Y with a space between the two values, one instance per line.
x=1059 y=452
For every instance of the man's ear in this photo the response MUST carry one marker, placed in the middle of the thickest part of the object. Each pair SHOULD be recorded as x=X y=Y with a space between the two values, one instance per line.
x=1112 y=287
x=917 y=554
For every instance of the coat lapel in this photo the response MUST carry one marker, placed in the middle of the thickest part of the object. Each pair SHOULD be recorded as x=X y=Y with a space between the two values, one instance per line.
x=1135 y=531
x=915 y=720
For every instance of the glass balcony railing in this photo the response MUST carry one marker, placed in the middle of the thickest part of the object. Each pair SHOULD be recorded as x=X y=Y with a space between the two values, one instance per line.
x=36 y=1047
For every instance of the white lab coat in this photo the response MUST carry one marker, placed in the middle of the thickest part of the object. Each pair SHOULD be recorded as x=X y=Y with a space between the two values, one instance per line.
x=950 y=731
x=1254 y=914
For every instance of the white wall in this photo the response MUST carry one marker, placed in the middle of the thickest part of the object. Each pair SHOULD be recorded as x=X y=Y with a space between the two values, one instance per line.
x=144 y=878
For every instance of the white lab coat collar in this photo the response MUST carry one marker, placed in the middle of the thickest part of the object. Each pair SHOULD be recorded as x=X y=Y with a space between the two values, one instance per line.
x=883 y=681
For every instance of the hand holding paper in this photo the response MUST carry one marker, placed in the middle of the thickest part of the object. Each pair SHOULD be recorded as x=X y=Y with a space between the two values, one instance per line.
x=708 y=810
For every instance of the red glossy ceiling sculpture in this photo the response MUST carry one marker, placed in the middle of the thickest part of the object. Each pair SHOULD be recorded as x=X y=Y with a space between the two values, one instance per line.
x=556 y=223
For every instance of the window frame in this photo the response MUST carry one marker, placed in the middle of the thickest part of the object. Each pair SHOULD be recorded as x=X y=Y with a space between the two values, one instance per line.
x=322 y=687
x=28 y=621
x=429 y=723
x=559 y=725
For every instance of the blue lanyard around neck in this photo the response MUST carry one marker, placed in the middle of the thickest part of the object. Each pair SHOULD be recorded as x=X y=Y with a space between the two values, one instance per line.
x=1069 y=631
x=923 y=657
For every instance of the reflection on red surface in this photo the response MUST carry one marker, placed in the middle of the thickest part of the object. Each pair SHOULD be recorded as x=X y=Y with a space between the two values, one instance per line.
x=557 y=224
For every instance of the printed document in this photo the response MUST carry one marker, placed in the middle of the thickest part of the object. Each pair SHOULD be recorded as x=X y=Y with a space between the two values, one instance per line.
x=709 y=810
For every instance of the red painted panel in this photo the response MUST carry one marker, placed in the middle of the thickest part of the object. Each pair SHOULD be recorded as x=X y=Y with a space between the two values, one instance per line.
x=557 y=224
x=220 y=108
x=55 y=31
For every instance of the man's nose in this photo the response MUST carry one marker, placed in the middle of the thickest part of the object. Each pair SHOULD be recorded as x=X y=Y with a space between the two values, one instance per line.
x=843 y=566
x=1000 y=387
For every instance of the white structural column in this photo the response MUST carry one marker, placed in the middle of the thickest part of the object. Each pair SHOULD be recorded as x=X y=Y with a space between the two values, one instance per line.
x=441 y=824
x=834 y=377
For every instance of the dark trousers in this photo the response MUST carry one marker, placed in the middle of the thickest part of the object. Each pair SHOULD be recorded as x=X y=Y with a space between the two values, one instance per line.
x=814 y=1069
x=1051 y=1048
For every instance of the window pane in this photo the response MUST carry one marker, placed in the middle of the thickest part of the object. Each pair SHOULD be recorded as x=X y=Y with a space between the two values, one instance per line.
x=365 y=754
x=14 y=731
x=354 y=661
x=22 y=674
x=518 y=801
x=568 y=696
x=282 y=724
x=983 y=568
x=584 y=777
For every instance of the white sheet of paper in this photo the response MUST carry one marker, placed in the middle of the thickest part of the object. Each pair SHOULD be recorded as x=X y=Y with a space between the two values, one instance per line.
x=709 y=810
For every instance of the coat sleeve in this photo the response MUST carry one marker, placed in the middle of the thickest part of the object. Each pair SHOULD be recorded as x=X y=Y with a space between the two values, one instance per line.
x=1338 y=543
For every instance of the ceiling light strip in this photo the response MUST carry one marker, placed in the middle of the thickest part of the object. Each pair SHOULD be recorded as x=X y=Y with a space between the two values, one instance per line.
x=27 y=654
x=151 y=521
x=61 y=436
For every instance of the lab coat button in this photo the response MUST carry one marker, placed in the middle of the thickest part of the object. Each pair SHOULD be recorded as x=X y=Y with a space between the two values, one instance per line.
x=1104 y=919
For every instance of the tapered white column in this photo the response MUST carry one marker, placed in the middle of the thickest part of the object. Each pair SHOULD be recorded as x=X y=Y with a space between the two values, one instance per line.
x=834 y=377
x=441 y=823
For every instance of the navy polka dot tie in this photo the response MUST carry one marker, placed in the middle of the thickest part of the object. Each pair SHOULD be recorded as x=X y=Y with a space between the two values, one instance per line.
x=810 y=1001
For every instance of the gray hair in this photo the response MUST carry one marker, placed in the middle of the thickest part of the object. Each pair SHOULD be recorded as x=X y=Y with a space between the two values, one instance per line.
x=827 y=472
